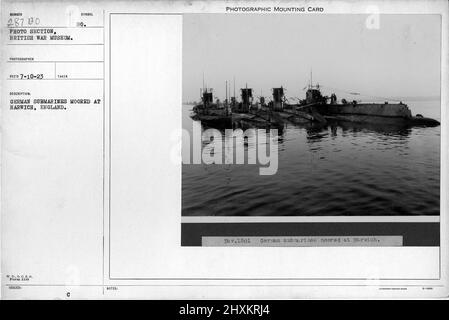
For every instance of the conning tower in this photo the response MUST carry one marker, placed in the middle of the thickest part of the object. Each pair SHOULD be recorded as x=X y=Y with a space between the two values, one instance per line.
x=207 y=97
x=247 y=99
x=313 y=94
x=278 y=98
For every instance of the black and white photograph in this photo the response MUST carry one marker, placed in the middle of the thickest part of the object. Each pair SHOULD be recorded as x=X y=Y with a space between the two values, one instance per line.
x=356 y=108
x=329 y=115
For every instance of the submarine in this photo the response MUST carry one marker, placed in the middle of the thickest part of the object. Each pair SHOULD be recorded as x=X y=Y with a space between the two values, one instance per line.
x=361 y=112
x=315 y=108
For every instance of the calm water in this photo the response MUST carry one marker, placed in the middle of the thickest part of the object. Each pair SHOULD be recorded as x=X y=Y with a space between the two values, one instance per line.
x=353 y=170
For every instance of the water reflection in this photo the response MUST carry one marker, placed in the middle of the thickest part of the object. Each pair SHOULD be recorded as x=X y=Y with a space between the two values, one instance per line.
x=243 y=125
x=397 y=129
x=341 y=168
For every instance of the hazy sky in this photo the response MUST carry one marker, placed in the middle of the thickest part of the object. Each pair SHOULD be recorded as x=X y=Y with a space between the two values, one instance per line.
x=401 y=58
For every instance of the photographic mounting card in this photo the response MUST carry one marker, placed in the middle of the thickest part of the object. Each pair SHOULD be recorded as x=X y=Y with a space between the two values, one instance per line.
x=295 y=147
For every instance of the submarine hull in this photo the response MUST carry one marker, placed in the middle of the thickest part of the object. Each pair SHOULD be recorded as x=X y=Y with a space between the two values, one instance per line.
x=368 y=109
x=373 y=119
x=375 y=113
